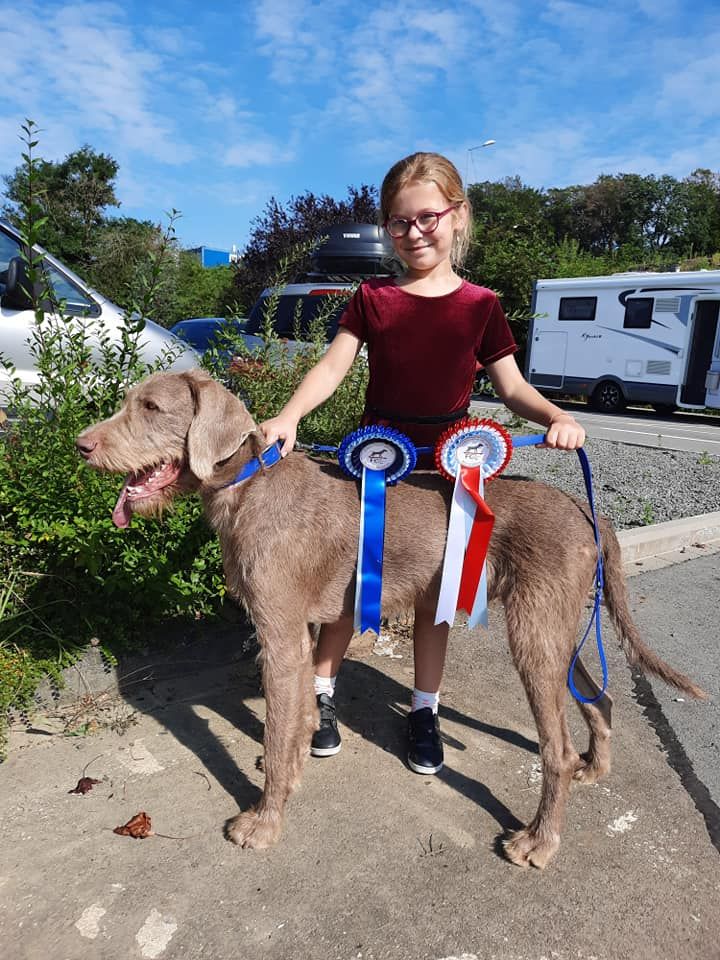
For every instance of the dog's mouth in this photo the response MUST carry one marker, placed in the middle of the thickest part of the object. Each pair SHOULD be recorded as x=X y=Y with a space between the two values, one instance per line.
x=141 y=486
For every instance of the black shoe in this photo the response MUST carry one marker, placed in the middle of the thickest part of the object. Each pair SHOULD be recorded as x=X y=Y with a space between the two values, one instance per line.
x=425 y=749
x=326 y=741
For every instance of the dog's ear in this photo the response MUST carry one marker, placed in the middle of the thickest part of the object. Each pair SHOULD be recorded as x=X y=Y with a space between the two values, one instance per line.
x=220 y=426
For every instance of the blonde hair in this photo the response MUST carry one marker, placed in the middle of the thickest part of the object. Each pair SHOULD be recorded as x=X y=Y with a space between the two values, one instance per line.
x=429 y=168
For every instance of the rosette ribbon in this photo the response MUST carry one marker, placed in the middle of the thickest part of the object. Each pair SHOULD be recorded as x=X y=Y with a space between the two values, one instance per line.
x=468 y=454
x=378 y=457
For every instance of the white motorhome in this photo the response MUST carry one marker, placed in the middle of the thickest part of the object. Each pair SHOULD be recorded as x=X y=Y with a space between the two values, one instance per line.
x=628 y=338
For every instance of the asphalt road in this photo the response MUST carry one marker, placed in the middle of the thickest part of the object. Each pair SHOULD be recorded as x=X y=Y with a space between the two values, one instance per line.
x=375 y=862
x=680 y=431
x=677 y=611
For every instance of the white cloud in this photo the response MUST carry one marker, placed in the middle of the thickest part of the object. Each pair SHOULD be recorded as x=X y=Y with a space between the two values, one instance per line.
x=298 y=37
x=257 y=153
x=692 y=87
x=83 y=69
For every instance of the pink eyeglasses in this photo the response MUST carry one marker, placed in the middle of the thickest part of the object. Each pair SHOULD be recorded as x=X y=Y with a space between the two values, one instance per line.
x=426 y=222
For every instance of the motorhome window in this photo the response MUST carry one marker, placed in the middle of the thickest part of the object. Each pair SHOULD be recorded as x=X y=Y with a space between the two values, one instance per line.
x=638 y=313
x=577 y=308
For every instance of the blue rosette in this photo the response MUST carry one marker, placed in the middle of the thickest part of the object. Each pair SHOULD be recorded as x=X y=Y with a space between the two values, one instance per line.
x=378 y=449
x=378 y=456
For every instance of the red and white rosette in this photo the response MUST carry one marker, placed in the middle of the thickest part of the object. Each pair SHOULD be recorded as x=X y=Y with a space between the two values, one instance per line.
x=469 y=453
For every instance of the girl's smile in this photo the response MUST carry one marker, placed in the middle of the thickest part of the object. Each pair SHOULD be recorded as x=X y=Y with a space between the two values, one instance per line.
x=425 y=254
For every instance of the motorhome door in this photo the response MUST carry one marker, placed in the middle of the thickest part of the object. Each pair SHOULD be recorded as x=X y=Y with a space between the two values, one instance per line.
x=547 y=359
x=703 y=357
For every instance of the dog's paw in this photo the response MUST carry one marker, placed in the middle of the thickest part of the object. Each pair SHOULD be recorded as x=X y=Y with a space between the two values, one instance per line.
x=253 y=829
x=591 y=769
x=528 y=848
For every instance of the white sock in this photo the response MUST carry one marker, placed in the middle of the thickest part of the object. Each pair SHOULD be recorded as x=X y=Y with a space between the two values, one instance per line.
x=324 y=685
x=422 y=699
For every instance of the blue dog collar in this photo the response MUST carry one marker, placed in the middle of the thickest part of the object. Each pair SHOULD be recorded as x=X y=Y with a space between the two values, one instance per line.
x=268 y=458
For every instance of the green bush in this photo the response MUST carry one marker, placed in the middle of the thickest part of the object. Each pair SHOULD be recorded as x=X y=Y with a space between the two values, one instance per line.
x=70 y=576
x=266 y=378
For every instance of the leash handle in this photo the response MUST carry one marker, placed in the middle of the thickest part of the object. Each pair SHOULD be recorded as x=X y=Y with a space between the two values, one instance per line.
x=531 y=440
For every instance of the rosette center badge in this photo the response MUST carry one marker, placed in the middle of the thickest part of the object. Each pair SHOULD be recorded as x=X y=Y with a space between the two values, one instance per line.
x=377 y=455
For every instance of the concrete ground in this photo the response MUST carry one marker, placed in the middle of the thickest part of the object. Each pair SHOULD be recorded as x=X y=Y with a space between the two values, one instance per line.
x=375 y=861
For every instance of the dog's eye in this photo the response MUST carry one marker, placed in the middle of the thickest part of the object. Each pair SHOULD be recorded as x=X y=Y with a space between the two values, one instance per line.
x=151 y=405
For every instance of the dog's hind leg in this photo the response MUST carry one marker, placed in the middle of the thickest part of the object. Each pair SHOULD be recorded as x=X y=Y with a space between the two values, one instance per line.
x=289 y=722
x=597 y=716
x=540 y=661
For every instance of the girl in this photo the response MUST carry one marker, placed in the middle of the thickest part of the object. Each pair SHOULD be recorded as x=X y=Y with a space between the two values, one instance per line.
x=424 y=332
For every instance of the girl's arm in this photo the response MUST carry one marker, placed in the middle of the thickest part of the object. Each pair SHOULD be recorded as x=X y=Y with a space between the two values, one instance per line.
x=320 y=383
x=563 y=430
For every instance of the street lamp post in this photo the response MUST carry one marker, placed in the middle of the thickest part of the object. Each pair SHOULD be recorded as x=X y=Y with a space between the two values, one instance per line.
x=487 y=143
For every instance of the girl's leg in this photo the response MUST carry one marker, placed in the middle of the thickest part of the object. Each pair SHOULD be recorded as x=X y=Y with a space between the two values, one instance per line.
x=430 y=645
x=333 y=642
x=425 y=750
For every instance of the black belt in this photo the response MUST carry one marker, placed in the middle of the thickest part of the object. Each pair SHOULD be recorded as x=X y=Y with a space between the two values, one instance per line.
x=403 y=418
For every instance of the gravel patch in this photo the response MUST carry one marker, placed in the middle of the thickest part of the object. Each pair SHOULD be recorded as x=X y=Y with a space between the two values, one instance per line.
x=634 y=486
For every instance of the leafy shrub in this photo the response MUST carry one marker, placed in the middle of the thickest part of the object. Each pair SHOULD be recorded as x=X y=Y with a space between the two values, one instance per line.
x=70 y=575
x=265 y=378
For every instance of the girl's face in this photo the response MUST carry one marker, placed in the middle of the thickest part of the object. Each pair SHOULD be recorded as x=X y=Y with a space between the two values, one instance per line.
x=424 y=252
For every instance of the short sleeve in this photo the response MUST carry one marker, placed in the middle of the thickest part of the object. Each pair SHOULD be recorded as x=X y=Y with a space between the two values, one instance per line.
x=353 y=316
x=497 y=340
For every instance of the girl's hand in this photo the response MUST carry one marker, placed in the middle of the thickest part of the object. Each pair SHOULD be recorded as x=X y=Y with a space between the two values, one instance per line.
x=281 y=428
x=564 y=433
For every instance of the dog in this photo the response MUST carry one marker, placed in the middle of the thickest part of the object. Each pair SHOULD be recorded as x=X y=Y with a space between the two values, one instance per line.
x=289 y=537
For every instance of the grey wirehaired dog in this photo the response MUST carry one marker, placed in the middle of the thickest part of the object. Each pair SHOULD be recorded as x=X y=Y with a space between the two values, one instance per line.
x=289 y=539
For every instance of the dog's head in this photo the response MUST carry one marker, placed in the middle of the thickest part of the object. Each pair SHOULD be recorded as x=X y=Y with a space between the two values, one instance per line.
x=172 y=435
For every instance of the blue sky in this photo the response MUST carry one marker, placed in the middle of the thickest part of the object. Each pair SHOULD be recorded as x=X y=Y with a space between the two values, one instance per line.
x=213 y=108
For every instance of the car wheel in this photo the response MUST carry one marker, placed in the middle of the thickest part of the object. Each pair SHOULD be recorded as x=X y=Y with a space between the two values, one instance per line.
x=608 y=397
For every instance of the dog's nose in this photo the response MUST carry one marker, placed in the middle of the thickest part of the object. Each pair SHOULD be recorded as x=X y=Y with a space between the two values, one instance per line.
x=85 y=446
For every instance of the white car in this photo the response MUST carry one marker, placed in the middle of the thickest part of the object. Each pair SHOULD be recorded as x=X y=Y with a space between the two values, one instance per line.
x=17 y=318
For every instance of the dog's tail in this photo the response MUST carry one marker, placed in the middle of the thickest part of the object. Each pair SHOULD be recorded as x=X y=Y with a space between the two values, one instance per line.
x=616 y=601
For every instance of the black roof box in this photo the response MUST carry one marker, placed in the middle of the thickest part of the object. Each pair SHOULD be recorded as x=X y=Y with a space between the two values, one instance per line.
x=354 y=248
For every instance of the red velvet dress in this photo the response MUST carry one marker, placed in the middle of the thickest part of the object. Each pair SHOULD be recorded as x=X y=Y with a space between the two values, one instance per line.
x=423 y=353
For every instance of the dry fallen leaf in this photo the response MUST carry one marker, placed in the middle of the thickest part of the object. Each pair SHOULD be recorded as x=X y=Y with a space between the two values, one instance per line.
x=84 y=785
x=139 y=827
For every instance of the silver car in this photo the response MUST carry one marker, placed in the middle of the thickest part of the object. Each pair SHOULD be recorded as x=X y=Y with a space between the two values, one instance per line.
x=97 y=314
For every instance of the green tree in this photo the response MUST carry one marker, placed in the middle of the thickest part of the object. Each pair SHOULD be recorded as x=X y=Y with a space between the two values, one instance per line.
x=512 y=243
x=121 y=249
x=197 y=291
x=701 y=234
x=73 y=195
x=279 y=230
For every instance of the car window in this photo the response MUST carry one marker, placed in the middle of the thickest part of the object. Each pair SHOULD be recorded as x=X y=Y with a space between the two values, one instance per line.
x=199 y=334
x=76 y=300
x=9 y=248
x=285 y=318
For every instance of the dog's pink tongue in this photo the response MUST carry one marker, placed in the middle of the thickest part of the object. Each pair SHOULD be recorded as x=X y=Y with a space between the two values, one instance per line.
x=122 y=514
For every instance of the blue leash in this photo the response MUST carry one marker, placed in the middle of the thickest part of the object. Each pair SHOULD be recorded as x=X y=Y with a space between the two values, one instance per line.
x=533 y=440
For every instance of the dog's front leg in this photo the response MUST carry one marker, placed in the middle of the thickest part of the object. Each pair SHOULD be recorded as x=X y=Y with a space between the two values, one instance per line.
x=291 y=717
